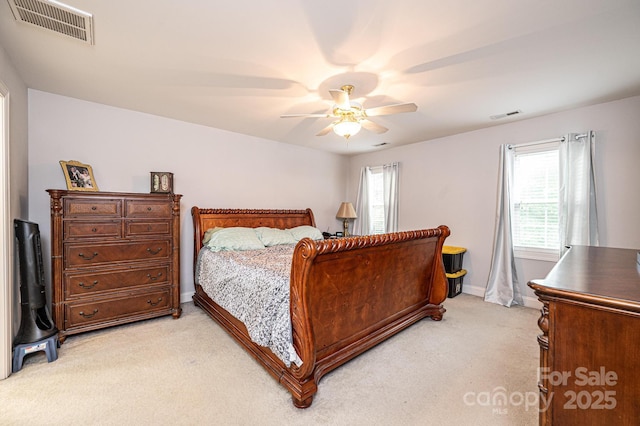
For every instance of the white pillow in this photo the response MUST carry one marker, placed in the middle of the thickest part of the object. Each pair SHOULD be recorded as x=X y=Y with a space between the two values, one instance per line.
x=306 y=231
x=234 y=239
x=274 y=236
x=208 y=233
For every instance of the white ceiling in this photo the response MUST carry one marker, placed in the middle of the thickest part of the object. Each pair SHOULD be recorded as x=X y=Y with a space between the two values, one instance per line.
x=238 y=65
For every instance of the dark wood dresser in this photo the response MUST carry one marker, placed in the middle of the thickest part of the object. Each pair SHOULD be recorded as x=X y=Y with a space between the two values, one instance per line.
x=115 y=258
x=590 y=341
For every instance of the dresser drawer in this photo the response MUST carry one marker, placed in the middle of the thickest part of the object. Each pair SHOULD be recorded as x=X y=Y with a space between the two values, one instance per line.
x=89 y=284
x=93 y=229
x=147 y=208
x=142 y=228
x=90 y=207
x=100 y=311
x=90 y=255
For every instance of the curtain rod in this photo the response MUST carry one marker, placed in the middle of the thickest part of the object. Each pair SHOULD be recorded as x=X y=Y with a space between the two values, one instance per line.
x=560 y=139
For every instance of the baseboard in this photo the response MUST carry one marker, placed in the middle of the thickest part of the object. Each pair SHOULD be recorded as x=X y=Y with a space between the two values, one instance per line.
x=186 y=297
x=473 y=290
x=529 y=302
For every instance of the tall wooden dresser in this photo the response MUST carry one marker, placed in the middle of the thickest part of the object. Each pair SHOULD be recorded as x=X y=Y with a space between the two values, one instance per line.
x=590 y=341
x=115 y=258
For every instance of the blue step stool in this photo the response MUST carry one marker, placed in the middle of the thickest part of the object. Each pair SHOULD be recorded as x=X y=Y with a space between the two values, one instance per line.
x=49 y=346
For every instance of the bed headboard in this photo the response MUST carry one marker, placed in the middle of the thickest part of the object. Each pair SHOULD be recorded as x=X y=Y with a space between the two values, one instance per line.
x=204 y=219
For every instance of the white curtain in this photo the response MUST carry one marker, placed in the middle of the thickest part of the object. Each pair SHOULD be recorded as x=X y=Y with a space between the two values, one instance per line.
x=390 y=181
x=363 y=204
x=390 y=173
x=502 y=287
x=578 y=213
x=577 y=210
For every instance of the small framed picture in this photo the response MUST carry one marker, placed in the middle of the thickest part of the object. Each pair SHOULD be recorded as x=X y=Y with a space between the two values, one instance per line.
x=79 y=176
x=162 y=182
x=339 y=234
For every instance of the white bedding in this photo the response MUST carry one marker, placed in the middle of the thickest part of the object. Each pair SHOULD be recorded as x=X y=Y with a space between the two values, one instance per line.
x=253 y=286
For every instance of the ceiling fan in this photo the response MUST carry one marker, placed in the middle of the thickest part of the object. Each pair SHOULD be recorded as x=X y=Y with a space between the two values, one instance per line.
x=351 y=116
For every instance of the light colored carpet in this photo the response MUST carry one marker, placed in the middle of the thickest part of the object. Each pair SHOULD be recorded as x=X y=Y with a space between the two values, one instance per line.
x=189 y=371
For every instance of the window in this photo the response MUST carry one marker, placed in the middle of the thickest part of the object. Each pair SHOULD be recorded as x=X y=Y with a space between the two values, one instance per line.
x=376 y=194
x=377 y=203
x=535 y=202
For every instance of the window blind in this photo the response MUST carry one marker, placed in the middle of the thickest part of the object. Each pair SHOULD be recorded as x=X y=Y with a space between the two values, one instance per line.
x=535 y=200
x=377 y=201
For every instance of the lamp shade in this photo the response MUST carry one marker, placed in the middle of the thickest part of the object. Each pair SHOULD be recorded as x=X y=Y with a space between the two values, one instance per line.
x=346 y=211
x=347 y=127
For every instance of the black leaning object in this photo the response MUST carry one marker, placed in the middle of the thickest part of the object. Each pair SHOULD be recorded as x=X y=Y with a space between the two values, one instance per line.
x=35 y=323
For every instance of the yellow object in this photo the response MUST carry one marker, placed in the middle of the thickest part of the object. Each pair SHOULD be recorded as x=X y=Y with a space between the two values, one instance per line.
x=453 y=250
x=458 y=274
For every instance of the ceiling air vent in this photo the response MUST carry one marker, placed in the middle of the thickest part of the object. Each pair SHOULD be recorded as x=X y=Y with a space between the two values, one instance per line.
x=505 y=115
x=54 y=16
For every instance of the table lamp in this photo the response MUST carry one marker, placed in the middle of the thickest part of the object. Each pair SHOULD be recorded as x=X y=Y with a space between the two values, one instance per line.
x=346 y=212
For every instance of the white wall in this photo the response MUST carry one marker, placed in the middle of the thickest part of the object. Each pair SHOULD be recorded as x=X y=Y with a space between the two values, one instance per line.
x=18 y=134
x=449 y=181
x=453 y=181
x=212 y=168
x=17 y=208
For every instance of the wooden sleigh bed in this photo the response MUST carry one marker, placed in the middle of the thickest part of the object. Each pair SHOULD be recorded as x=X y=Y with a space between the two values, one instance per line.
x=346 y=294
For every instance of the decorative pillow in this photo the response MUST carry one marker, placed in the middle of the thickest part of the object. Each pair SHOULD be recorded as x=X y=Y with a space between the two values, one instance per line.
x=208 y=233
x=300 y=232
x=234 y=239
x=274 y=236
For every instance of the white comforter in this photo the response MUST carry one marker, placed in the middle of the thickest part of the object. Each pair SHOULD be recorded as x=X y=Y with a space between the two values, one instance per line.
x=253 y=286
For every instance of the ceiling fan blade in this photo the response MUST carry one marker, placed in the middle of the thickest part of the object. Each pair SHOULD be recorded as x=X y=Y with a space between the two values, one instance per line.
x=305 y=115
x=373 y=127
x=391 y=109
x=341 y=98
x=326 y=130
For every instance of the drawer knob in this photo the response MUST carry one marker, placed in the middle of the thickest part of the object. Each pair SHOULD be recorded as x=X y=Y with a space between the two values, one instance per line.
x=148 y=208
x=152 y=278
x=82 y=314
x=156 y=303
x=82 y=255
x=88 y=286
x=153 y=251
x=94 y=208
x=94 y=230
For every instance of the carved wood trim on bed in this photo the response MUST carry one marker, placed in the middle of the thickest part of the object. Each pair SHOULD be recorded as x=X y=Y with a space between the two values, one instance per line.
x=204 y=219
x=346 y=294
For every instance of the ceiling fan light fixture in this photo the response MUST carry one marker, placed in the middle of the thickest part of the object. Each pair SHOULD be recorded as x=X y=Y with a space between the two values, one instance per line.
x=347 y=127
x=351 y=116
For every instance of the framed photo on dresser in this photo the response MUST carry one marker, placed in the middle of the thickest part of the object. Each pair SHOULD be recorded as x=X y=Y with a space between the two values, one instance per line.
x=162 y=182
x=79 y=176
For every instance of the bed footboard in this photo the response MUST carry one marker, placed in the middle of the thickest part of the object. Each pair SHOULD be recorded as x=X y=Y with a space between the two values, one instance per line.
x=349 y=294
